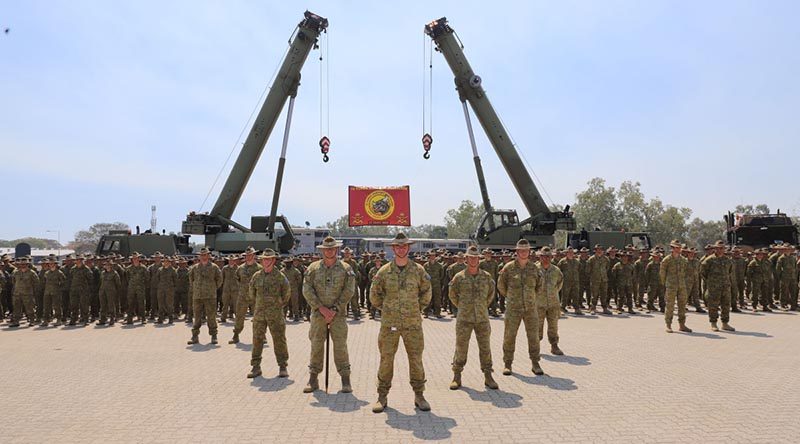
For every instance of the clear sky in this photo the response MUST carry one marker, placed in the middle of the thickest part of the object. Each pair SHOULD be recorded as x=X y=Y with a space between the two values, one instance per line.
x=110 y=107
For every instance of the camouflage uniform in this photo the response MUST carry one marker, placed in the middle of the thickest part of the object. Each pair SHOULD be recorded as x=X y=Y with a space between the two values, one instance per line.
x=613 y=291
x=110 y=285
x=244 y=302
x=204 y=280
x=597 y=268
x=25 y=284
x=401 y=294
x=270 y=292
x=182 y=291
x=230 y=290
x=552 y=280
x=655 y=290
x=715 y=271
x=296 y=286
x=755 y=276
x=167 y=281
x=492 y=267
x=787 y=275
x=354 y=308
x=640 y=280
x=331 y=287
x=472 y=295
x=693 y=282
x=519 y=285
x=570 y=268
x=585 y=289
x=672 y=275
x=137 y=277
x=624 y=274
x=437 y=273
x=80 y=293
x=740 y=270
x=54 y=281
x=152 y=272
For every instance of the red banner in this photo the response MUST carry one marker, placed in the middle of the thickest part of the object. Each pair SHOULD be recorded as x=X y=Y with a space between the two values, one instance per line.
x=379 y=206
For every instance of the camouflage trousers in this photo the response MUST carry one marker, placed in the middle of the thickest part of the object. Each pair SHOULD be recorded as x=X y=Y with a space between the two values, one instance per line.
x=79 y=304
x=624 y=296
x=681 y=295
x=108 y=303
x=739 y=295
x=294 y=304
x=317 y=334
x=734 y=289
x=277 y=328
x=693 y=294
x=655 y=292
x=638 y=293
x=243 y=304
x=414 y=343
x=435 y=307
x=598 y=289
x=228 y=303
x=584 y=292
x=209 y=308
x=483 y=331
x=23 y=303
x=153 y=301
x=718 y=299
x=570 y=296
x=182 y=302
x=135 y=302
x=52 y=303
x=513 y=319
x=613 y=292
x=551 y=315
x=789 y=293
x=760 y=294
x=166 y=303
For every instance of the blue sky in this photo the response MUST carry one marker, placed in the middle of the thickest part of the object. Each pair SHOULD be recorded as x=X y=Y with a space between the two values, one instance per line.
x=109 y=107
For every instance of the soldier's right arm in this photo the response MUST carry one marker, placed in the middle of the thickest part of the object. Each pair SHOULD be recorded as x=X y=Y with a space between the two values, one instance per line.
x=309 y=293
x=453 y=291
x=376 y=291
x=502 y=284
x=662 y=271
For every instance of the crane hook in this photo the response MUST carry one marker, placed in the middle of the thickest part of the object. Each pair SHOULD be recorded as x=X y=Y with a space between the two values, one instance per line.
x=324 y=147
x=427 y=141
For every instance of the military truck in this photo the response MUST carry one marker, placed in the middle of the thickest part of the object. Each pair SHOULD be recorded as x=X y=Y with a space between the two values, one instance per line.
x=124 y=242
x=617 y=239
x=751 y=231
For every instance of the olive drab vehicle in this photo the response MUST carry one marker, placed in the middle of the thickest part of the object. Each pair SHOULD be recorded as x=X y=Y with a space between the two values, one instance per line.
x=498 y=228
x=752 y=231
x=221 y=232
x=616 y=239
x=124 y=243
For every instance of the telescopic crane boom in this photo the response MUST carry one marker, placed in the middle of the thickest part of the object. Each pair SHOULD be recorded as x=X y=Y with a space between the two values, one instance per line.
x=498 y=228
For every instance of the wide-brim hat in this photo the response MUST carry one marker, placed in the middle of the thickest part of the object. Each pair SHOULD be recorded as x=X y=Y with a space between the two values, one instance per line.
x=523 y=244
x=250 y=250
x=401 y=239
x=329 y=242
x=204 y=250
x=347 y=250
x=545 y=251
x=472 y=251
x=718 y=244
x=269 y=253
x=598 y=247
x=675 y=244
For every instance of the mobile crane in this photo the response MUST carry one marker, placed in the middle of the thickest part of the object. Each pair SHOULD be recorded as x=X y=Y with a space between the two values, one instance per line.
x=497 y=228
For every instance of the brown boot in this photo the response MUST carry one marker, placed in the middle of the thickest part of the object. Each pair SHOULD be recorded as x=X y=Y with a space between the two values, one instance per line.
x=727 y=327
x=380 y=404
x=488 y=381
x=555 y=350
x=669 y=328
x=313 y=384
x=346 y=387
x=714 y=326
x=537 y=369
x=283 y=372
x=684 y=328
x=193 y=341
x=256 y=371
x=235 y=339
x=507 y=369
x=420 y=402
x=456 y=383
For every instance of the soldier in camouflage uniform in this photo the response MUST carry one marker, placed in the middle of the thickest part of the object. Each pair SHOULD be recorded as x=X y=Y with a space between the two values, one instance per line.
x=655 y=290
x=295 y=277
x=205 y=278
x=328 y=287
x=270 y=291
x=786 y=270
x=492 y=267
x=244 y=302
x=472 y=290
x=740 y=272
x=519 y=281
x=372 y=272
x=672 y=275
x=352 y=307
x=640 y=276
x=110 y=286
x=25 y=282
x=54 y=281
x=597 y=268
x=436 y=271
x=756 y=270
x=570 y=268
x=547 y=304
x=152 y=272
x=137 y=276
x=230 y=289
x=401 y=289
x=450 y=272
x=167 y=282
x=715 y=270
x=182 y=289
x=80 y=292
x=624 y=274
x=585 y=290
x=611 y=254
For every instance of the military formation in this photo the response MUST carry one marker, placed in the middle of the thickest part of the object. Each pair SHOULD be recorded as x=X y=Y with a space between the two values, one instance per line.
x=527 y=288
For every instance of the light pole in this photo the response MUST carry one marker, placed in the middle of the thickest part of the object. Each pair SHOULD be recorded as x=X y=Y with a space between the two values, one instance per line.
x=58 y=234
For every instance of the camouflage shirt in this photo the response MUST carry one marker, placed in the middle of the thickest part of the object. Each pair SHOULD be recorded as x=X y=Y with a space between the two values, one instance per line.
x=329 y=286
x=672 y=273
x=110 y=281
x=519 y=285
x=245 y=273
x=25 y=282
x=624 y=274
x=295 y=277
x=715 y=271
x=597 y=268
x=401 y=294
x=136 y=276
x=570 y=268
x=472 y=294
x=271 y=292
x=54 y=281
x=82 y=278
x=230 y=282
x=552 y=281
x=755 y=272
x=204 y=280
x=182 y=281
x=436 y=271
x=167 y=278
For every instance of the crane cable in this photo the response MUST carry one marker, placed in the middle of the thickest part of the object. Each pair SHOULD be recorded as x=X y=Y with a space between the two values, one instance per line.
x=324 y=96
x=427 y=123
x=247 y=124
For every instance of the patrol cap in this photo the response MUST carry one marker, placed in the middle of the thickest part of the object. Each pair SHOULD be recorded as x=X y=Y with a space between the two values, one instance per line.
x=401 y=239
x=523 y=244
x=329 y=242
x=268 y=253
x=545 y=251
x=473 y=251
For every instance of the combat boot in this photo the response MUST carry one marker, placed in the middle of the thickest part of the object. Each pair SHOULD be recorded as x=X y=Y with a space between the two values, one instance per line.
x=14 y=324
x=684 y=328
x=313 y=384
x=669 y=328
x=555 y=350
x=112 y=321
x=213 y=339
x=537 y=369
x=456 y=383
x=193 y=341
x=283 y=372
x=700 y=310
x=420 y=402
x=255 y=372
x=488 y=381
x=507 y=369
x=235 y=339
x=714 y=326
x=606 y=311
x=346 y=387
x=578 y=311
x=43 y=324
x=380 y=404
x=630 y=311
x=101 y=322
x=727 y=327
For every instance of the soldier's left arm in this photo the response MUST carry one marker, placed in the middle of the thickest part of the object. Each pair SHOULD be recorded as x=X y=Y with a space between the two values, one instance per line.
x=217 y=276
x=286 y=289
x=559 y=279
x=425 y=291
x=490 y=292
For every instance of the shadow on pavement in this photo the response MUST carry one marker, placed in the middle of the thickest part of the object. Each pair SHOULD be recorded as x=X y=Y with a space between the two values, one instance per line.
x=424 y=425
x=574 y=360
x=498 y=398
x=750 y=313
x=756 y=334
x=705 y=335
x=552 y=382
x=128 y=326
x=338 y=402
x=202 y=347
x=781 y=312
x=275 y=384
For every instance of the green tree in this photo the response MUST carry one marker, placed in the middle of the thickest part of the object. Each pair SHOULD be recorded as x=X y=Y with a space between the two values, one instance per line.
x=596 y=207
x=631 y=206
x=34 y=242
x=462 y=221
x=701 y=233
x=86 y=240
x=665 y=222
x=751 y=209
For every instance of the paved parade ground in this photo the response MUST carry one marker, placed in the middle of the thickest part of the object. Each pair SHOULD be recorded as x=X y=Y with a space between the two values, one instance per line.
x=622 y=380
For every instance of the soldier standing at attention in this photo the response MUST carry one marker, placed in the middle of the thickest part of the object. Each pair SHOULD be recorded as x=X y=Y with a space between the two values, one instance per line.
x=435 y=270
x=295 y=278
x=584 y=291
x=519 y=282
x=204 y=280
x=328 y=287
x=693 y=279
x=373 y=312
x=270 y=291
x=167 y=281
x=153 y=281
x=714 y=270
x=570 y=268
x=230 y=288
x=611 y=254
x=624 y=275
x=182 y=289
x=547 y=298
x=597 y=268
x=472 y=291
x=655 y=291
x=786 y=268
x=451 y=271
x=348 y=259
x=640 y=278
x=401 y=289
x=137 y=277
x=110 y=285
x=54 y=281
x=672 y=275
x=755 y=278
x=80 y=292
x=25 y=283
x=489 y=265
x=244 y=273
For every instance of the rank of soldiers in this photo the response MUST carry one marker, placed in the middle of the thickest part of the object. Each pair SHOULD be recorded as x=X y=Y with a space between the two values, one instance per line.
x=527 y=288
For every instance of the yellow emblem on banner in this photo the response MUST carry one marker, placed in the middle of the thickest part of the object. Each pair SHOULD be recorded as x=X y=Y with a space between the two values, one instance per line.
x=379 y=205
